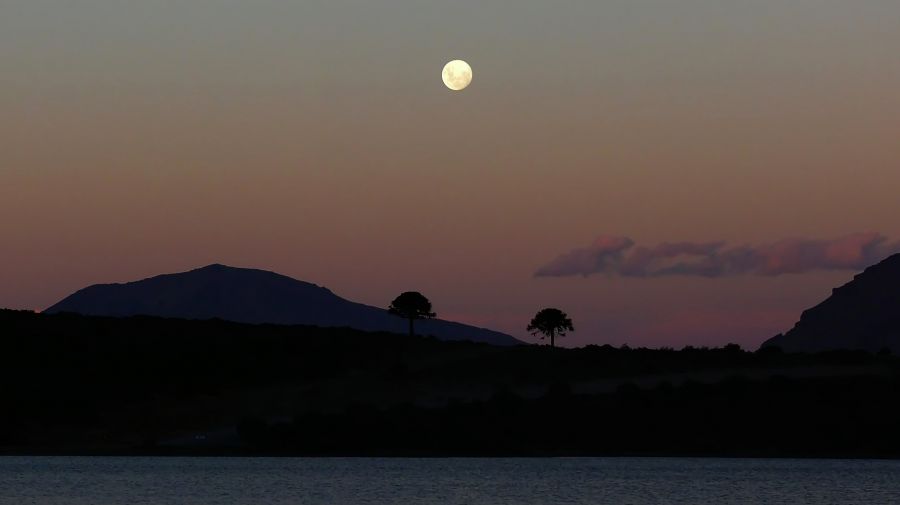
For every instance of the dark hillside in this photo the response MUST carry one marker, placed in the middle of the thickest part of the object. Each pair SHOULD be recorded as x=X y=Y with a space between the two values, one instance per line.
x=81 y=384
x=862 y=314
x=247 y=295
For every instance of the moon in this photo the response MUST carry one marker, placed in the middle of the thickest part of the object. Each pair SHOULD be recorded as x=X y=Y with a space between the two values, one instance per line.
x=457 y=75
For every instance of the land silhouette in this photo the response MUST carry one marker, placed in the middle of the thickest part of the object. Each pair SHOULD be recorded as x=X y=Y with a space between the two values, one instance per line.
x=195 y=385
x=76 y=384
x=247 y=295
x=862 y=314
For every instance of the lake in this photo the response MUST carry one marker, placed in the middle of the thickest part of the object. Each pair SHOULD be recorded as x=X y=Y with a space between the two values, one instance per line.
x=348 y=481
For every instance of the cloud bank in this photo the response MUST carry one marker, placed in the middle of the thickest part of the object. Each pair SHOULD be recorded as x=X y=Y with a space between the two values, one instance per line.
x=621 y=256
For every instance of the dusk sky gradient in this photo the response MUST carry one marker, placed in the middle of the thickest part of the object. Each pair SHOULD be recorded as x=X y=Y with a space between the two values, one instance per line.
x=315 y=139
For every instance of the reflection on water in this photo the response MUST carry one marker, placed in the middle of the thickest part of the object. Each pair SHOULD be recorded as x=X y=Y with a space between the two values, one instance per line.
x=274 y=481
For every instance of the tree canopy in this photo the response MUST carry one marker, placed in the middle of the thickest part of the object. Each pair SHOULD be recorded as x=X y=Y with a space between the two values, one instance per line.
x=551 y=323
x=412 y=305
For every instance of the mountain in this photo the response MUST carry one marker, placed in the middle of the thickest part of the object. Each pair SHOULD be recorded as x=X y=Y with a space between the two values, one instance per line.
x=862 y=314
x=253 y=296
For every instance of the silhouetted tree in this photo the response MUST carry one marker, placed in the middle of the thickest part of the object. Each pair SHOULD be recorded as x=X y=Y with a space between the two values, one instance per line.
x=550 y=323
x=411 y=305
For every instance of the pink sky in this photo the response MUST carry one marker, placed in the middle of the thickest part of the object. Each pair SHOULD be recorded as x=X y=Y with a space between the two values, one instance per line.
x=316 y=140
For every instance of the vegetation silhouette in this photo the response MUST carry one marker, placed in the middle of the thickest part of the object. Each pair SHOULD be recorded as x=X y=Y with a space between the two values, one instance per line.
x=551 y=323
x=412 y=305
x=73 y=384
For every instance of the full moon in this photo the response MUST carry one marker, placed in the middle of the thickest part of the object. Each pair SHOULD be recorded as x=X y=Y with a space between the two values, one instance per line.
x=457 y=75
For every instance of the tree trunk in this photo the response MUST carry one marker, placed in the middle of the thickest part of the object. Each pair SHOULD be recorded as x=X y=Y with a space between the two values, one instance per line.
x=552 y=338
x=412 y=332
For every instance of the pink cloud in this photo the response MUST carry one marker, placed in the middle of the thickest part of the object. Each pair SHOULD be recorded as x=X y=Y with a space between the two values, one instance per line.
x=601 y=255
x=619 y=255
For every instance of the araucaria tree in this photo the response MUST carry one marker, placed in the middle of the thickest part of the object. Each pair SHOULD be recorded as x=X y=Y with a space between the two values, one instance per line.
x=550 y=323
x=411 y=305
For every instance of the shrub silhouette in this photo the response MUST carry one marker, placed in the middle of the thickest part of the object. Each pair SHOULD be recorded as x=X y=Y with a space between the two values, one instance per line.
x=551 y=323
x=412 y=305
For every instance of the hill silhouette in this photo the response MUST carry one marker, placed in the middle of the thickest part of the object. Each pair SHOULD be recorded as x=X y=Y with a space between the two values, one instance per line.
x=862 y=314
x=253 y=296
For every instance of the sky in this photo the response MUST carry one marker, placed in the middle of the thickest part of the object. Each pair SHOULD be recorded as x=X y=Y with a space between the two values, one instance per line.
x=668 y=173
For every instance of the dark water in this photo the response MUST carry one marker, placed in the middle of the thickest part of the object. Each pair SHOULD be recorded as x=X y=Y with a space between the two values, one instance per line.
x=134 y=481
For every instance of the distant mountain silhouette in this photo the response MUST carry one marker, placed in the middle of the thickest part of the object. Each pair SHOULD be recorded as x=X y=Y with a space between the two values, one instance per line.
x=254 y=296
x=862 y=314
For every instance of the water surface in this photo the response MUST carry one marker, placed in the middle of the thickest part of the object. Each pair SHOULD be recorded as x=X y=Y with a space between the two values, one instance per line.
x=348 y=481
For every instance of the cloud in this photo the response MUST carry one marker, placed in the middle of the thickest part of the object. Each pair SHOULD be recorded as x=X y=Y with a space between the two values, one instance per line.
x=620 y=256
x=604 y=254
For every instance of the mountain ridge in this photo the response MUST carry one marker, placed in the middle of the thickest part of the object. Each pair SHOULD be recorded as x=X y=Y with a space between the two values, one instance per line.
x=255 y=296
x=862 y=314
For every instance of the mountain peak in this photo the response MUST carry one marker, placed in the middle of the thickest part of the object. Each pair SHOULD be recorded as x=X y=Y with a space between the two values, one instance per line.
x=219 y=267
x=216 y=266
